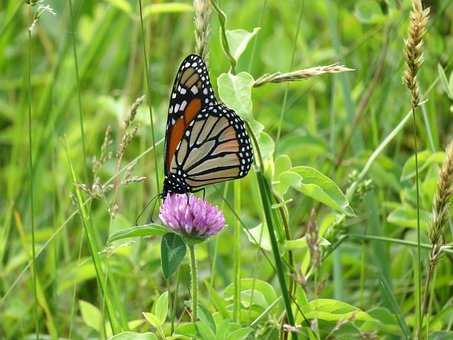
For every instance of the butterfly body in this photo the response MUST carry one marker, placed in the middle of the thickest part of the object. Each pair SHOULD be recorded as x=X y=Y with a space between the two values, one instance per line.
x=206 y=142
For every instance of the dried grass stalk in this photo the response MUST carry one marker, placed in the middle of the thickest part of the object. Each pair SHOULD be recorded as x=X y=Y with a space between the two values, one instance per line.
x=279 y=77
x=202 y=15
x=441 y=204
x=413 y=50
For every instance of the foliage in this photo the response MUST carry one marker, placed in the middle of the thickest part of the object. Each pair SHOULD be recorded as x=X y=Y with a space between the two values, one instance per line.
x=333 y=180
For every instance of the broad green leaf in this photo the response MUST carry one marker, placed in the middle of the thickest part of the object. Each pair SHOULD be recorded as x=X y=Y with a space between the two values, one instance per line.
x=282 y=163
x=444 y=81
x=407 y=217
x=236 y=92
x=246 y=284
x=91 y=315
x=204 y=331
x=173 y=250
x=319 y=187
x=133 y=324
x=238 y=40
x=139 y=231
x=384 y=319
x=160 y=307
x=425 y=159
x=186 y=329
x=267 y=146
x=206 y=318
x=333 y=310
x=134 y=336
x=152 y=319
x=240 y=334
x=259 y=236
x=301 y=243
x=368 y=11
x=164 y=8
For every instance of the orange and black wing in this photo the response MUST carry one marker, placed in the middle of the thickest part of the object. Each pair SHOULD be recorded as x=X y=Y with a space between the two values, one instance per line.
x=192 y=91
x=215 y=148
x=206 y=142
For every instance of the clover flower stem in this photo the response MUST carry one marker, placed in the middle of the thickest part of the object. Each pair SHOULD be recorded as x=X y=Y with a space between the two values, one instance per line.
x=194 y=279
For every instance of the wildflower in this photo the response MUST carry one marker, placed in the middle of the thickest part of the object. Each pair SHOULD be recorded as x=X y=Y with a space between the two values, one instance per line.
x=191 y=216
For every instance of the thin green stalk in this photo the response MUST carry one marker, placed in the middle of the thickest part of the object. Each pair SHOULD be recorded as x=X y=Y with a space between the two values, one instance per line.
x=79 y=96
x=173 y=307
x=285 y=95
x=194 y=282
x=225 y=45
x=217 y=241
x=30 y=170
x=88 y=227
x=148 y=92
x=66 y=222
x=396 y=241
x=267 y=206
x=418 y=270
x=237 y=254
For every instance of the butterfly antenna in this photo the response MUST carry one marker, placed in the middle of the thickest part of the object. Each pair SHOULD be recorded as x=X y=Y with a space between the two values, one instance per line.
x=152 y=212
x=143 y=210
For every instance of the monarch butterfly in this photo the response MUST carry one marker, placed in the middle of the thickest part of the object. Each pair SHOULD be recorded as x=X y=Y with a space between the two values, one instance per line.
x=205 y=141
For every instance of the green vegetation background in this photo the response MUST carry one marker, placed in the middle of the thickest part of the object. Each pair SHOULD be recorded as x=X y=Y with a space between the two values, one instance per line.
x=319 y=125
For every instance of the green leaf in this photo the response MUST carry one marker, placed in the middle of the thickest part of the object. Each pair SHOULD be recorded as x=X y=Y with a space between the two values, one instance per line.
x=444 y=81
x=139 y=231
x=261 y=286
x=267 y=146
x=207 y=319
x=425 y=159
x=260 y=237
x=333 y=310
x=134 y=336
x=160 y=308
x=152 y=319
x=368 y=11
x=282 y=163
x=301 y=243
x=318 y=186
x=238 y=41
x=91 y=315
x=236 y=92
x=240 y=334
x=186 y=329
x=165 y=8
x=173 y=250
x=407 y=217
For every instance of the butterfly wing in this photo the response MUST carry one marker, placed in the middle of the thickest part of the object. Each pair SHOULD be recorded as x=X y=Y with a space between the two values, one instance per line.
x=215 y=148
x=192 y=91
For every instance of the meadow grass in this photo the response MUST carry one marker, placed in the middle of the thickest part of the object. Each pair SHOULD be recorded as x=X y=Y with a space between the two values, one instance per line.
x=341 y=229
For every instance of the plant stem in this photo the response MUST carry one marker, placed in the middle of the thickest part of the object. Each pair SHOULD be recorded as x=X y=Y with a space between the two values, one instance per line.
x=30 y=169
x=194 y=281
x=267 y=207
x=79 y=96
x=419 y=257
x=148 y=94
x=237 y=253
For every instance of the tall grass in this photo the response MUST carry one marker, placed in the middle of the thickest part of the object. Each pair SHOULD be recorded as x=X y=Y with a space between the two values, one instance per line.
x=414 y=59
x=30 y=175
